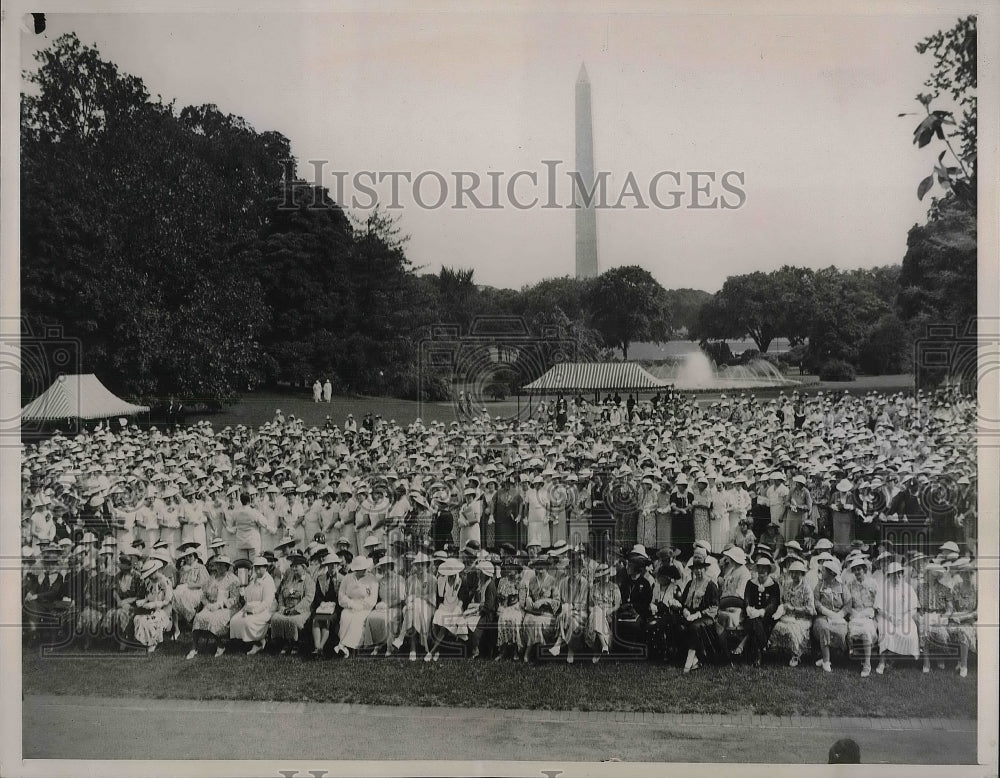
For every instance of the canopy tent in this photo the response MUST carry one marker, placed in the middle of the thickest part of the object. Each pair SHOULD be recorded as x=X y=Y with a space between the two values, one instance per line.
x=568 y=377
x=78 y=397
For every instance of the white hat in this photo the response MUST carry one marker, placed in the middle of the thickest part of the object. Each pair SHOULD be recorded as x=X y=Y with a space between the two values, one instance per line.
x=737 y=554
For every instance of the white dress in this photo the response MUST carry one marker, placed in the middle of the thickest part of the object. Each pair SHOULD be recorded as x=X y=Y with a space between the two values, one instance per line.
x=897 y=629
x=357 y=598
x=259 y=596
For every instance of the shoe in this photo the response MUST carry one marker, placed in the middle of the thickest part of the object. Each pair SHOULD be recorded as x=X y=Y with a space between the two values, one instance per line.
x=413 y=656
x=963 y=673
x=293 y=652
x=597 y=659
x=254 y=649
x=793 y=662
x=398 y=642
x=927 y=669
x=429 y=656
x=554 y=651
x=475 y=653
x=282 y=652
x=497 y=658
x=866 y=671
x=192 y=653
x=375 y=652
x=437 y=655
x=220 y=651
x=569 y=657
x=819 y=662
x=881 y=668
x=151 y=649
x=388 y=652
x=827 y=667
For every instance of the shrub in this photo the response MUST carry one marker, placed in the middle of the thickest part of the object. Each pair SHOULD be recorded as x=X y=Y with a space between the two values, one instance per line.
x=837 y=370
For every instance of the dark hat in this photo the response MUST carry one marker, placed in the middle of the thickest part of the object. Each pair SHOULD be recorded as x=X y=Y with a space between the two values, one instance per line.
x=297 y=559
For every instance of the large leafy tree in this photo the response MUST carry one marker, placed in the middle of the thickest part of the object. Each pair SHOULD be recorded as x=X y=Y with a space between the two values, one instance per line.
x=626 y=305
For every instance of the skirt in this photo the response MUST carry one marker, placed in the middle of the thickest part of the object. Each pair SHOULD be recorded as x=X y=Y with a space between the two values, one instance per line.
x=598 y=626
x=793 y=522
x=452 y=618
x=830 y=633
x=934 y=632
x=646 y=531
x=538 y=534
x=287 y=627
x=537 y=628
x=214 y=621
x=149 y=627
x=383 y=625
x=720 y=532
x=899 y=638
x=249 y=627
x=558 y=530
x=186 y=601
x=862 y=628
x=702 y=525
x=418 y=615
x=352 y=627
x=117 y=621
x=571 y=623
x=509 y=623
x=790 y=634
x=89 y=621
x=664 y=522
x=963 y=635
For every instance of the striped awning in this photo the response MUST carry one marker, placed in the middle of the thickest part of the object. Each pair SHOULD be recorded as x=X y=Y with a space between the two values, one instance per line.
x=78 y=397
x=594 y=376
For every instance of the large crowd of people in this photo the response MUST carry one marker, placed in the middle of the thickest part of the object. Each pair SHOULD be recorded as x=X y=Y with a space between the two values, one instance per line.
x=804 y=528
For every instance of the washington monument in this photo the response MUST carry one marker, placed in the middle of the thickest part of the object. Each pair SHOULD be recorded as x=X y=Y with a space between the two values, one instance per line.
x=586 y=216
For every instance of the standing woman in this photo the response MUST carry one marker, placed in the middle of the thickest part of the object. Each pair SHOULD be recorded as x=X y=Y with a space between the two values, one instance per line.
x=722 y=501
x=739 y=510
x=509 y=614
x=153 y=611
x=795 y=615
x=799 y=508
x=488 y=499
x=193 y=521
x=295 y=598
x=505 y=510
x=469 y=517
x=250 y=624
x=247 y=524
x=604 y=599
x=537 y=517
x=170 y=518
x=699 y=607
x=219 y=597
x=347 y=508
x=701 y=506
x=963 y=613
x=830 y=626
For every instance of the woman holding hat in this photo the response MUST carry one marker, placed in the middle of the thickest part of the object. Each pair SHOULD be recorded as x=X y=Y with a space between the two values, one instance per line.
x=795 y=615
x=386 y=619
x=295 y=598
x=830 y=626
x=860 y=601
x=192 y=580
x=250 y=624
x=895 y=610
x=357 y=596
x=962 y=614
x=154 y=610
x=763 y=596
x=509 y=613
x=604 y=600
x=699 y=607
x=418 y=609
x=219 y=596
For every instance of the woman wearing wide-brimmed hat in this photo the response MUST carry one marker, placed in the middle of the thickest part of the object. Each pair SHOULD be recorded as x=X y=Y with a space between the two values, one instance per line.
x=295 y=598
x=830 y=625
x=699 y=606
x=219 y=596
x=250 y=624
x=604 y=600
x=860 y=603
x=539 y=602
x=895 y=610
x=154 y=610
x=932 y=620
x=795 y=615
x=448 y=617
x=763 y=596
x=192 y=578
x=962 y=614
x=509 y=613
x=357 y=596
x=386 y=619
x=126 y=590
x=418 y=609
x=332 y=569
x=574 y=610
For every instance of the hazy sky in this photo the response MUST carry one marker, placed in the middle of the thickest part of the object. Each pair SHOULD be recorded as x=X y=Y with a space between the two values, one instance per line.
x=805 y=107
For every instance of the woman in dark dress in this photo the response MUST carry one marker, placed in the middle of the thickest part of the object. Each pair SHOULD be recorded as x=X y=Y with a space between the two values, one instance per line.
x=762 y=595
x=506 y=508
x=699 y=606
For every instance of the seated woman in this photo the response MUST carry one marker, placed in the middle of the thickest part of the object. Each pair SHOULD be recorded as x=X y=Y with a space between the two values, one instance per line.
x=324 y=607
x=895 y=610
x=605 y=597
x=478 y=594
x=860 y=602
x=386 y=619
x=418 y=609
x=126 y=589
x=98 y=599
x=153 y=611
x=665 y=610
x=795 y=615
x=932 y=618
x=732 y=587
x=830 y=626
x=357 y=596
x=295 y=598
x=192 y=578
x=762 y=596
x=962 y=613
x=219 y=596
x=699 y=607
x=540 y=602
x=574 y=596
x=509 y=613
x=250 y=624
x=448 y=618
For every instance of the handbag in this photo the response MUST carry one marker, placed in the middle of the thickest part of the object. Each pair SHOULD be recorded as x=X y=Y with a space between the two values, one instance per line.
x=326 y=608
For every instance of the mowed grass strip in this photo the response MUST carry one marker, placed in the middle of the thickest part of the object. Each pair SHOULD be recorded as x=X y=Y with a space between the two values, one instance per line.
x=903 y=692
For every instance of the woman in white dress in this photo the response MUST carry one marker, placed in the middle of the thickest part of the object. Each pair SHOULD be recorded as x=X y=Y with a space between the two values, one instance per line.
x=219 y=597
x=470 y=517
x=251 y=623
x=418 y=609
x=194 y=520
x=357 y=596
x=192 y=579
x=605 y=599
x=449 y=617
x=538 y=515
x=895 y=612
x=153 y=612
x=170 y=518
x=718 y=516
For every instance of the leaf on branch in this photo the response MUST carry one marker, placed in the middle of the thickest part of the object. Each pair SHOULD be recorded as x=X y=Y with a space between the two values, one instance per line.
x=925 y=185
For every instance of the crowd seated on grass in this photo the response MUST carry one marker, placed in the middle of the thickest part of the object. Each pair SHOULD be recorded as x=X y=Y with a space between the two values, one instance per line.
x=809 y=530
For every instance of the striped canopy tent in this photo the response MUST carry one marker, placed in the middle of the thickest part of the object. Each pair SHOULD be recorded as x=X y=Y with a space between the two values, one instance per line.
x=78 y=397
x=568 y=377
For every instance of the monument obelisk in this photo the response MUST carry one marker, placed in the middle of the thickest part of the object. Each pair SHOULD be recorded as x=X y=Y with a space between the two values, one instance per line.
x=586 y=216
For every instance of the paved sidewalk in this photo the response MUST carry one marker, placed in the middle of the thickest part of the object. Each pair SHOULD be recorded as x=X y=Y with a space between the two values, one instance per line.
x=217 y=729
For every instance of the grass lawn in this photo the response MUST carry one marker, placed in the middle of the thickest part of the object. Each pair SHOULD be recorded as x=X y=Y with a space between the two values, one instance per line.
x=610 y=686
x=256 y=408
